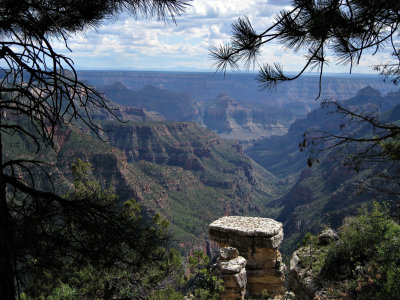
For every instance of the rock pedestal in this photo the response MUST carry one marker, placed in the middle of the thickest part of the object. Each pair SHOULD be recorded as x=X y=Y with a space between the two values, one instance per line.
x=257 y=240
x=230 y=268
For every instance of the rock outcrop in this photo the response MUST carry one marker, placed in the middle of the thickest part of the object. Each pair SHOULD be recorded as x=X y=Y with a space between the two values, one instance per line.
x=300 y=278
x=257 y=240
x=327 y=236
x=230 y=267
x=304 y=276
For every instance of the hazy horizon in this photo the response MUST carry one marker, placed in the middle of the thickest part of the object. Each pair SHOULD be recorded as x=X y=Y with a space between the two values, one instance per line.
x=129 y=43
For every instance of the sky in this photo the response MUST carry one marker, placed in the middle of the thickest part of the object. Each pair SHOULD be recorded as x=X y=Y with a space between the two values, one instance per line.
x=129 y=43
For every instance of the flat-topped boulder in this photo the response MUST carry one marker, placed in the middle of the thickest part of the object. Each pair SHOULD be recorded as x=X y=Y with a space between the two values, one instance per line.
x=257 y=240
x=247 y=226
x=264 y=231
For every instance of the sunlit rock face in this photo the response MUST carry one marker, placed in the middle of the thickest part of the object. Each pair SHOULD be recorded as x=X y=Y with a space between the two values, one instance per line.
x=257 y=240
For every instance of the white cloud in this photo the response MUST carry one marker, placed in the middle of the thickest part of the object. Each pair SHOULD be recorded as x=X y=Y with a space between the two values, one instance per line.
x=140 y=43
x=137 y=40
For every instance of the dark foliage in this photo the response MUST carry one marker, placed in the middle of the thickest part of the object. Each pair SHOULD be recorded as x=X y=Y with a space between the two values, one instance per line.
x=95 y=245
x=365 y=260
x=40 y=85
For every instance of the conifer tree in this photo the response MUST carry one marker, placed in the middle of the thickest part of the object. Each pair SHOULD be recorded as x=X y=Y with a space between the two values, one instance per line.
x=39 y=90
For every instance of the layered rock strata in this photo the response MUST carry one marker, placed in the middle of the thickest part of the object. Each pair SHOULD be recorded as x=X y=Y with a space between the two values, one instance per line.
x=257 y=240
x=230 y=267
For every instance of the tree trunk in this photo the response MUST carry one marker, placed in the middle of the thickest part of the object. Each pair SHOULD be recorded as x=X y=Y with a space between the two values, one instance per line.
x=7 y=269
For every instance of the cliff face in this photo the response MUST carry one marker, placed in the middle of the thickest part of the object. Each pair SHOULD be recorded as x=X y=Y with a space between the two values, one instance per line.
x=280 y=154
x=298 y=95
x=224 y=115
x=327 y=192
x=198 y=175
x=244 y=122
x=216 y=163
x=181 y=170
x=172 y=106
x=171 y=143
x=125 y=113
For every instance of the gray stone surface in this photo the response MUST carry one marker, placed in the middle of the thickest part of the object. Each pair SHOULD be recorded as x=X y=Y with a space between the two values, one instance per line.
x=327 y=236
x=232 y=266
x=247 y=226
x=241 y=278
x=240 y=232
x=300 y=278
x=227 y=253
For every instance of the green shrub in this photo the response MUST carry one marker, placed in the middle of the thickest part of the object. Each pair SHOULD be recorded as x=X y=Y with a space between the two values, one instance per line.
x=201 y=282
x=309 y=239
x=367 y=255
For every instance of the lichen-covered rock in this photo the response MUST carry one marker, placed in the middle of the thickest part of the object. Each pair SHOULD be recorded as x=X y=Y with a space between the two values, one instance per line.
x=257 y=240
x=327 y=236
x=265 y=229
x=228 y=253
x=230 y=267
